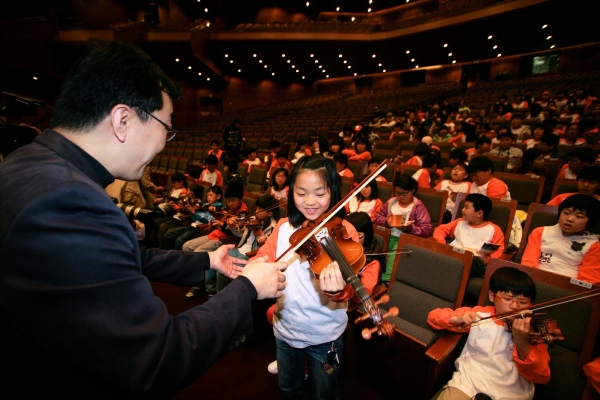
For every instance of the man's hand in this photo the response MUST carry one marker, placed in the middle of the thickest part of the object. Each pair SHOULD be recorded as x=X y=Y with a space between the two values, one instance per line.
x=331 y=279
x=266 y=277
x=222 y=262
x=464 y=320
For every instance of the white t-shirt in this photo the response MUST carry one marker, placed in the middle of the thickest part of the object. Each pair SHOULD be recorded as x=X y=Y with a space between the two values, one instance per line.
x=397 y=209
x=450 y=187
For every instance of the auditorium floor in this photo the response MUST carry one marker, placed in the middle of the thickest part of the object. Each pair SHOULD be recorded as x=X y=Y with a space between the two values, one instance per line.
x=242 y=374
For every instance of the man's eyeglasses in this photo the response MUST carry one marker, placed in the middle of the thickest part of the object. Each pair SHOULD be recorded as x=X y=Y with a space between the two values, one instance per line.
x=521 y=302
x=170 y=131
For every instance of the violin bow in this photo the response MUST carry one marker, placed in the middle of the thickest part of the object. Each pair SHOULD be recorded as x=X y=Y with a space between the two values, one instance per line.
x=331 y=213
x=541 y=306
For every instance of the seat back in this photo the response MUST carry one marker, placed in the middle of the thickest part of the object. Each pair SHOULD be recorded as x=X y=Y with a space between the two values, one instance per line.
x=578 y=321
x=357 y=169
x=385 y=144
x=499 y=163
x=382 y=236
x=502 y=214
x=409 y=169
x=435 y=201
x=258 y=175
x=525 y=189
x=417 y=290
x=564 y=185
x=346 y=185
x=389 y=172
x=391 y=154
x=537 y=215
x=182 y=166
x=385 y=190
x=250 y=200
x=554 y=165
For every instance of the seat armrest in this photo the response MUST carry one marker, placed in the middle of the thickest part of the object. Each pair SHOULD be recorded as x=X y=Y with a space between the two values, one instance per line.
x=444 y=346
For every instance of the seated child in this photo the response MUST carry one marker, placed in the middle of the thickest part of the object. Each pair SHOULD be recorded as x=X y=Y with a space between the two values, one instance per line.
x=481 y=172
x=532 y=163
x=178 y=191
x=275 y=147
x=506 y=149
x=252 y=159
x=588 y=182
x=200 y=214
x=361 y=152
x=280 y=189
x=415 y=215
x=235 y=207
x=457 y=183
x=252 y=237
x=493 y=361
x=457 y=156
x=367 y=200
x=420 y=151
x=472 y=231
x=280 y=161
x=549 y=146
x=336 y=147
x=230 y=167
x=301 y=150
x=374 y=162
x=428 y=169
x=341 y=163
x=578 y=159
x=483 y=144
x=443 y=134
x=567 y=248
x=572 y=136
x=538 y=132
x=211 y=174
x=215 y=150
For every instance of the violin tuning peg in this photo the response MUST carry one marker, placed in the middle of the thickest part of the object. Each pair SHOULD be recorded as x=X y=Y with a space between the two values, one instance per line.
x=394 y=311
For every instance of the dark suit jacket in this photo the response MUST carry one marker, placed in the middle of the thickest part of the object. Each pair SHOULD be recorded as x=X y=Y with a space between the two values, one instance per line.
x=78 y=315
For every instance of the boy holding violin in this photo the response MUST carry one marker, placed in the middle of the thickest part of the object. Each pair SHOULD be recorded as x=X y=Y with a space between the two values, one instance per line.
x=494 y=361
x=253 y=232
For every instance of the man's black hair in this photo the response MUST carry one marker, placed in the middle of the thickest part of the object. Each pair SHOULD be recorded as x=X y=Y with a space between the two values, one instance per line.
x=429 y=160
x=481 y=163
x=591 y=173
x=480 y=203
x=458 y=154
x=482 y=140
x=583 y=203
x=341 y=158
x=550 y=139
x=514 y=281
x=110 y=73
x=507 y=134
x=584 y=153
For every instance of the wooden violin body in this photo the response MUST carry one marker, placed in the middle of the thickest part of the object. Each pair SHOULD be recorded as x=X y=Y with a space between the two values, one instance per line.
x=543 y=330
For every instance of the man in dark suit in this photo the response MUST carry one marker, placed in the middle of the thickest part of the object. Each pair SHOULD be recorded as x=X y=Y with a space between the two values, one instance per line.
x=78 y=315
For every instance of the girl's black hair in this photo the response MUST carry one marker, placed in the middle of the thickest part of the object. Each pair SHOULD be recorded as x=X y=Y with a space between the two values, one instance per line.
x=583 y=203
x=421 y=149
x=364 y=141
x=406 y=182
x=326 y=170
x=374 y=191
x=514 y=281
x=278 y=170
x=363 y=223
x=323 y=144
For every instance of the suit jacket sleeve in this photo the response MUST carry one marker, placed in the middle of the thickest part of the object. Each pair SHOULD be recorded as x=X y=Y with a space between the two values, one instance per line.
x=79 y=288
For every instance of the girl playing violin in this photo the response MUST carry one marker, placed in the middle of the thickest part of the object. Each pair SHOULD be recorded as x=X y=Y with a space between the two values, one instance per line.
x=280 y=189
x=310 y=319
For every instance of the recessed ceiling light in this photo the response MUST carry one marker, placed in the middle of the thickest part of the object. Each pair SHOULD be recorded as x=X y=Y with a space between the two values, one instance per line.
x=293 y=66
x=199 y=73
x=326 y=76
x=260 y=61
x=355 y=74
x=253 y=55
x=177 y=60
x=407 y=51
x=340 y=56
x=495 y=47
x=307 y=4
x=320 y=66
x=544 y=26
x=288 y=61
x=316 y=61
x=337 y=9
x=230 y=61
x=553 y=46
x=349 y=66
x=35 y=78
x=374 y=55
x=239 y=70
x=416 y=66
x=449 y=54
x=445 y=44
x=283 y=55
x=312 y=55
x=380 y=64
x=303 y=77
x=352 y=19
x=265 y=65
x=189 y=67
x=272 y=73
x=499 y=54
x=490 y=37
x=206 y=10
x=369 y=9
x=549 y=37
x=226 y=55
x=453 y=61
x=208 y=79
x=297 y=70
x=345 y=62
x=385 y=70
x=412 y=60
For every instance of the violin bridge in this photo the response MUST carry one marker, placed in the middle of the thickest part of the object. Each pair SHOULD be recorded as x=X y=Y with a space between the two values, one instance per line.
x=322 y=234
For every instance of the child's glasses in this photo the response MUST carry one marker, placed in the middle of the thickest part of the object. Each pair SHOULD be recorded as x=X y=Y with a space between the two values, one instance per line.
x=521 y=302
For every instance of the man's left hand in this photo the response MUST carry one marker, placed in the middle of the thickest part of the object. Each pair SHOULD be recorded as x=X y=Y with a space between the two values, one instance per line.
x=222 y=262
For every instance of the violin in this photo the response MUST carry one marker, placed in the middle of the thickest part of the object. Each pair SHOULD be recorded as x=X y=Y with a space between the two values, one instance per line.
x=324 y=240
x=543 y=331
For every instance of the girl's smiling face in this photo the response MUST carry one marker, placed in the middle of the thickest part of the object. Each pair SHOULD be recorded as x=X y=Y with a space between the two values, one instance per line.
x=311 y=195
